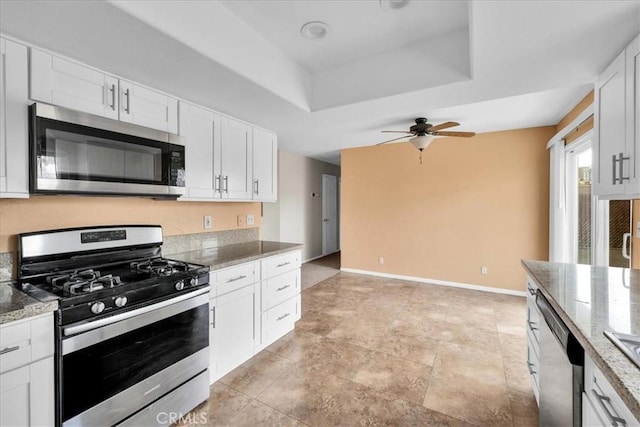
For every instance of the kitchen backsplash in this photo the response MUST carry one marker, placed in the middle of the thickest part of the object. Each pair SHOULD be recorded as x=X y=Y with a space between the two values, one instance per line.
x=197 y=241
x=6 y=266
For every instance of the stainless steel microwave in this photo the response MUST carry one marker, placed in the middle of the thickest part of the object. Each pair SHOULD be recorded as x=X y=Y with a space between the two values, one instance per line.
x=77 y=153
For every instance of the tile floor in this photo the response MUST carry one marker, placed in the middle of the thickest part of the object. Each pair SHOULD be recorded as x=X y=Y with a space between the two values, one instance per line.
x=372 y=351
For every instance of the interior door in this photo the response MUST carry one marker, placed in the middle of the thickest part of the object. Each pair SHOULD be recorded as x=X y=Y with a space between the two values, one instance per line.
x=329 y=214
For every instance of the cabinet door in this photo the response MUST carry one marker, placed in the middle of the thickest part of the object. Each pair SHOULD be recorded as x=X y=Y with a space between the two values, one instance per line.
x=200 y=129
x=14 y=147
x=590 y=417
x=61 y=82
x=609 y=124
x=146 y=107
x=233 y=329
x=235 y=159
x=265 y=165
x=633 y=113
x=26 y=395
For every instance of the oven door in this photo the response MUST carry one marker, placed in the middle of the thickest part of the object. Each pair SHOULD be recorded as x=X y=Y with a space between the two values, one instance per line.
x=73 y=152
x=111 y=372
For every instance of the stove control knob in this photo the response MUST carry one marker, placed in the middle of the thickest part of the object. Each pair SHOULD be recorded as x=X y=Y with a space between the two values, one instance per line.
x=97 y=307
x=180 y=285
x=193 y=281
x=121 y=301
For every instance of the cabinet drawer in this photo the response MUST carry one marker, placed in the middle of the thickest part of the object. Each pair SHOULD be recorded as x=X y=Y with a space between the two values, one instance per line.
x=533 y=366
x=279 y=264
x=236 y=277
x=280 y=288
x=279 y=320
x=533 y=319
x=606 y=402
x=15 y=345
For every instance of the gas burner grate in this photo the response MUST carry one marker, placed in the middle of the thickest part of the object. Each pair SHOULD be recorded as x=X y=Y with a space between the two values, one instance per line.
x=160 y=267
x=80 y=282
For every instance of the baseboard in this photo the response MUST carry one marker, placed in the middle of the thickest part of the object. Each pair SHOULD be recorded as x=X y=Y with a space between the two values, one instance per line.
x=436 y=282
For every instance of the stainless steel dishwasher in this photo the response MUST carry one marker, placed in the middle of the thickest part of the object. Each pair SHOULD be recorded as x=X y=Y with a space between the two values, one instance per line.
x=561 y=371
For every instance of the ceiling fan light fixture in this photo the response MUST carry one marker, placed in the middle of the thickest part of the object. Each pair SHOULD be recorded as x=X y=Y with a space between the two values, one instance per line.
x=421 y=141
x=393 y=4
x=314 y=30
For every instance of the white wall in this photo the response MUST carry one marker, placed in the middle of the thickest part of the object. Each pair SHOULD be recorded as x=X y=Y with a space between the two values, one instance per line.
x=297 y=216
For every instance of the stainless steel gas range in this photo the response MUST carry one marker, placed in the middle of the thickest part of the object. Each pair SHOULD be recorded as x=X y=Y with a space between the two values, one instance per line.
x=132 y=342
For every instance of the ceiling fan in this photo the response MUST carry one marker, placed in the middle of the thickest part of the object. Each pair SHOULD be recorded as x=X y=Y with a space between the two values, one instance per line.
x=424 y=133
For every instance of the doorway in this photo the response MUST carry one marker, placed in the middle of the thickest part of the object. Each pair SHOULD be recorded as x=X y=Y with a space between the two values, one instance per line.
x=329 y=214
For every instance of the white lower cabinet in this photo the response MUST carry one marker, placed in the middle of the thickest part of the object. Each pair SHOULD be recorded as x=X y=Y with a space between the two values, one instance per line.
x=27 y=372
x=601 y=405
x=533 y=337
x=234 y=317
x=247 y=313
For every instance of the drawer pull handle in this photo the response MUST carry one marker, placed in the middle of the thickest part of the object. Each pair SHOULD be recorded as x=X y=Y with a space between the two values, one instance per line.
x=283 y=264
x=615 y=420
x=531 y=290
x=283 y=316
x=533 y=328
x=530 y=366
x=213 y=317
x=282 y=288
x=9 y=349
x=235 y=279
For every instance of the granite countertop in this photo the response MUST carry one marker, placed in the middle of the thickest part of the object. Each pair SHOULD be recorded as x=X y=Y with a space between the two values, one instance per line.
x=590 y=300
x=226 y=256
x=16 y=305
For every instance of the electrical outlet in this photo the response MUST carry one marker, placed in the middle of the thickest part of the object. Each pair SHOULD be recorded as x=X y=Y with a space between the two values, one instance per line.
x=381 y=260
x=208 y=221
x=484 y=270
x=250 y=220
x=240 y=220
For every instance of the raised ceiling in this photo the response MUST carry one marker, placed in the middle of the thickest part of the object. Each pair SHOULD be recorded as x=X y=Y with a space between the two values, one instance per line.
x=491 y=65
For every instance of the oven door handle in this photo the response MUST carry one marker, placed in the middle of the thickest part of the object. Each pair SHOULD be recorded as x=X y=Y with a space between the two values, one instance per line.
x=84 y=327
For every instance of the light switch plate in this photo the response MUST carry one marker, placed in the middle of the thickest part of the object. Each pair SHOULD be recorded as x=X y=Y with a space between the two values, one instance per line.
x=208 y=221
x=240 y=220
x=250 y=219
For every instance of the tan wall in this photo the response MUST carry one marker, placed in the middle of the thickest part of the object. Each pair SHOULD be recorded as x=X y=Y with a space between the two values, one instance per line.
x=50 y=212
x=473 y=202
x=575 y=112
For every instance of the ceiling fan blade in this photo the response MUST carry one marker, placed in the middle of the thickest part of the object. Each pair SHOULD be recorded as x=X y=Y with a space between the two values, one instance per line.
x=444 y=125
x=395 y=139
x=446 y=133
x=396 y=131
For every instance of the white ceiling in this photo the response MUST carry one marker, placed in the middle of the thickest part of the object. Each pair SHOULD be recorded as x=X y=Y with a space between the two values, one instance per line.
x=490 y=65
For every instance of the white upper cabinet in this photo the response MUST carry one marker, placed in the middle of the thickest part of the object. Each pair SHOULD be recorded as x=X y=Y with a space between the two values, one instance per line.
x=235 y=159
x=200 y=129
x=146 y=107
x=14 y=143
x=617 y=142
x=633 y=112
x=265 y=165
x=61 y=82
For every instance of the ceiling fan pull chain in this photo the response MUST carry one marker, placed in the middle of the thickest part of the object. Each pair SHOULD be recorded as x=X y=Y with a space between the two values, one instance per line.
x=420 y=156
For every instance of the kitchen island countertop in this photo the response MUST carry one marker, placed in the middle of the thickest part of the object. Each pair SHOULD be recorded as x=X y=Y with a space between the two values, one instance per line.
x=229 y=255
x=590 y=300
x=16 y=305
